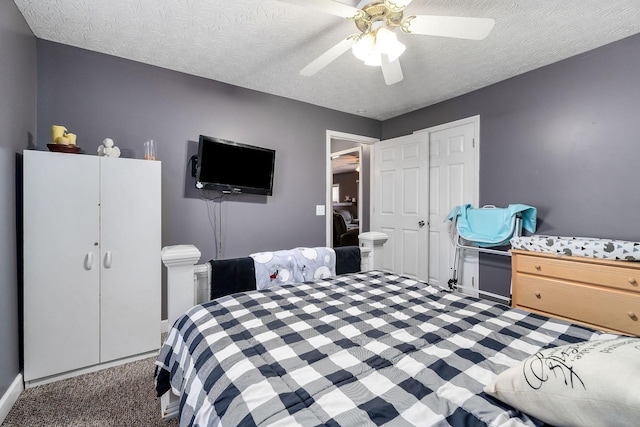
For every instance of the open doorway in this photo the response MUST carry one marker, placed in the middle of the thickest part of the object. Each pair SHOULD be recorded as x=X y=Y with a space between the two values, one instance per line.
x=346 y=205
x=347 y=195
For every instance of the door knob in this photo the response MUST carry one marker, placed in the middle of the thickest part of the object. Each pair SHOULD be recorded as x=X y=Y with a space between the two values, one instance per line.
x=421 y=224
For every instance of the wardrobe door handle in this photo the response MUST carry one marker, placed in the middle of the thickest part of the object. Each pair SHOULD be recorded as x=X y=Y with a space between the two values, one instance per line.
x=107 y=259
x=538 y=295
x=632 y=315
x=88 y=261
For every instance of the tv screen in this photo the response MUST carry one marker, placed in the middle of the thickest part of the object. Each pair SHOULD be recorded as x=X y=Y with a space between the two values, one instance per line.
x=232 y=167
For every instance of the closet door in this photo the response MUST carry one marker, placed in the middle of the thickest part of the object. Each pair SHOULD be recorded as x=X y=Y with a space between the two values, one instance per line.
x=61 y=263
x=130 y=257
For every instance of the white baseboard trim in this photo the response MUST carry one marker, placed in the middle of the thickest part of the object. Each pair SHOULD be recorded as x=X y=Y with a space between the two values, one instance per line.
x=10 y=397
x=164 y=326
x=89 y=369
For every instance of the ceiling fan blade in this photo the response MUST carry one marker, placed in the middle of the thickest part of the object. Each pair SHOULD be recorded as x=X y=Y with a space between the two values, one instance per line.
x=328 y=6
x=391 y=70
x=448 y=26
x=328 y=57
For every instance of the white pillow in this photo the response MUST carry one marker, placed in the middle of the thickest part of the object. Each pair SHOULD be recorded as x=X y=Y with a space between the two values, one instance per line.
x=592 y=383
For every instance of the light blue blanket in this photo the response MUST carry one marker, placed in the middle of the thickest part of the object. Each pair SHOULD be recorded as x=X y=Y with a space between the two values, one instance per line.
x=492 y=226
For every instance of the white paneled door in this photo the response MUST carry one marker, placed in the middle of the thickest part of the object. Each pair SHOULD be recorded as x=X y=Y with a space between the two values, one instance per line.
x=400 y=195
x=417 y=179
x=453 y=165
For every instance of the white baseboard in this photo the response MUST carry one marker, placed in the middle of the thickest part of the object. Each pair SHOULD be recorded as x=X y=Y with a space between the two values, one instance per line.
x=10 y=397
x=89 y=369
x=164 y=326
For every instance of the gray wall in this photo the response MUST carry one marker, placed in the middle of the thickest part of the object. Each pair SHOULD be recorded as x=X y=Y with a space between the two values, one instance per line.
x=98 y=96
x=17 y=121
x=348 y=185
x=563 y=138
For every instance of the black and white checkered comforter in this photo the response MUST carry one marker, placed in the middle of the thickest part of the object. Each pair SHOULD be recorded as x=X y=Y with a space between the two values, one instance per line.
x=358 y=350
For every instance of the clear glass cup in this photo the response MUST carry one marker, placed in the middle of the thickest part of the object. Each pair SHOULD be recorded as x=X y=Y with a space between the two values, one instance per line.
x=150 y=150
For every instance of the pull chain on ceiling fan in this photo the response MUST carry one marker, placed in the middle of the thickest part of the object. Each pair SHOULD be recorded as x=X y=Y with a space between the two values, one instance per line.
x=377 y=43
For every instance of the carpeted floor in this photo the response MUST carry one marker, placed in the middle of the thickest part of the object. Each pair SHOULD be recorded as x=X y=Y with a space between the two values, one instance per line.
x=119 y=396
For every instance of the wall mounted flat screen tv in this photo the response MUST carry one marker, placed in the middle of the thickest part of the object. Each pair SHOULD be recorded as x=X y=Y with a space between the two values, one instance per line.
x=232 y=167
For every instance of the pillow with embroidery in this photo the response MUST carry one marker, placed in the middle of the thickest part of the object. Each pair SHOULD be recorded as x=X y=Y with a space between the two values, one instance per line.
x=592 y=383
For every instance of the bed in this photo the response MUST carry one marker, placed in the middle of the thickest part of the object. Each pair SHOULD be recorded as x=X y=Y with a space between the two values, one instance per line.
x=373 y=348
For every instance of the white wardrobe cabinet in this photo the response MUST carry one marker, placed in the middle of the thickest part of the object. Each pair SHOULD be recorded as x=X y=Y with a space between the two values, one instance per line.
x=92 y=270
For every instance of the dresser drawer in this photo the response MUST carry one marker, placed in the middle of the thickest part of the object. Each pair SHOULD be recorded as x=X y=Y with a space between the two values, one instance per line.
x=598 y=306
x=613 y=276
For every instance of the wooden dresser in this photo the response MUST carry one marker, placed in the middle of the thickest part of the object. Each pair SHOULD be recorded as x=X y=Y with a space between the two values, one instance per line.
x=602 y=294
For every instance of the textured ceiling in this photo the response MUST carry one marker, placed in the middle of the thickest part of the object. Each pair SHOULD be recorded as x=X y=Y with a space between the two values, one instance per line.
x=263 y=44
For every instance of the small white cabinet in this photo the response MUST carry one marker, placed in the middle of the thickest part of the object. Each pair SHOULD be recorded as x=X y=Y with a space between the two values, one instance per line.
x=92 y=269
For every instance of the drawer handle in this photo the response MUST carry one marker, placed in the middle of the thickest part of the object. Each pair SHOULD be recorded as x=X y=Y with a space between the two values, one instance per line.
x=632 y=315
x=633 y=281
x=538 y=267
x=538 y=295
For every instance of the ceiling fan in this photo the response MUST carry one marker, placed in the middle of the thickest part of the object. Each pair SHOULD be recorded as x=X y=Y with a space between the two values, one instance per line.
x=377 y=44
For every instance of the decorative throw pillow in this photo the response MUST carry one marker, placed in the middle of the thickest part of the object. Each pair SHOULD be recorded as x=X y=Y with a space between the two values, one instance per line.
x=592 y=383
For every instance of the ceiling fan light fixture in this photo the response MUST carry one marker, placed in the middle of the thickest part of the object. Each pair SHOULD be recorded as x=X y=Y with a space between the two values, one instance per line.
x=372 y=45
x=374 y=60
x=396 y=5
x=385 y=39
x=376 y=44
x=364 y=47
x=387 y=42
x=395 y=52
